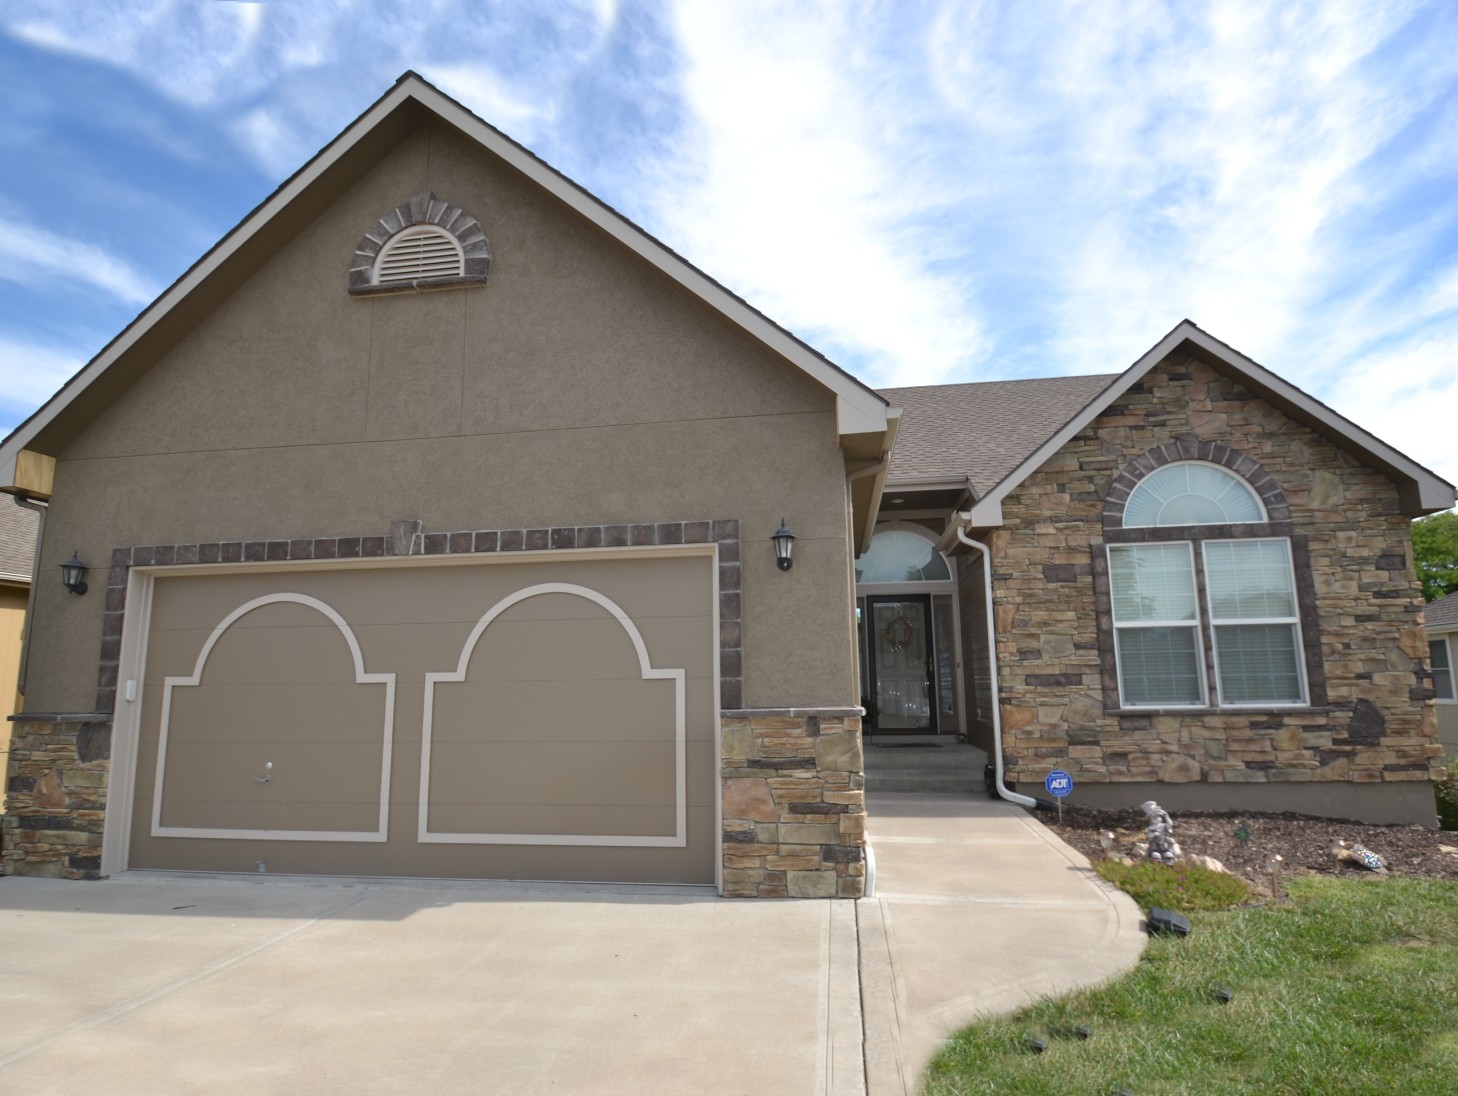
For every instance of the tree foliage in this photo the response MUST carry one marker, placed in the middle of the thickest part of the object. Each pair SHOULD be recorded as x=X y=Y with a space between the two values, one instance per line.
x=1435 y=551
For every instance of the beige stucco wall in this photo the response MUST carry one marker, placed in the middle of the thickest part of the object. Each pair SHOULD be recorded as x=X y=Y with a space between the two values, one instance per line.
x=578 y=387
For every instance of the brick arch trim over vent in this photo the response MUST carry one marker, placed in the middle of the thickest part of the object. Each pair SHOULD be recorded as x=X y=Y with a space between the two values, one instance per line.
x=1278 y=510
x=425 y=208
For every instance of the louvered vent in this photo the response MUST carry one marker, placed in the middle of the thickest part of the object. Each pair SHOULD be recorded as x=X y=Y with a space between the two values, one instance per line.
x=416 y=253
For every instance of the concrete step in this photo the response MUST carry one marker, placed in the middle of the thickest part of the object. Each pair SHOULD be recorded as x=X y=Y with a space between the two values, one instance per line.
x=946 y=781
x=951 y=756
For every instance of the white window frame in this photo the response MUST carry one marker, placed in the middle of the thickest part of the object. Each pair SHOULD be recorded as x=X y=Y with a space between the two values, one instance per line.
x=1237 y=478
x=1196 y=624
x=1446 y=639
x=1300 y=651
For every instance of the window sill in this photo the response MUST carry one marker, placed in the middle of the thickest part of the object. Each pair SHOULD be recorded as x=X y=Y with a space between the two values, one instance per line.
x=1274 y=709
x=420 y=285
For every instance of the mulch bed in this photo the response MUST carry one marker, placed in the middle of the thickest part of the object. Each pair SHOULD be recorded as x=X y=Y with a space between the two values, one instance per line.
x=1244 y=842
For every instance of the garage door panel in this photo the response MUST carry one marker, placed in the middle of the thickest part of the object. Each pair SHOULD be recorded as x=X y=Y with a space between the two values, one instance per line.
x=552 y=773
x=578 y=819
x=559 y=711
x=248 y=815
x=278 y=713
x=554 y=731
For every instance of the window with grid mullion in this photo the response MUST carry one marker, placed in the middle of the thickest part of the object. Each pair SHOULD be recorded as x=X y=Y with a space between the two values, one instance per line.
x=1250 y=591
x=1156 y=625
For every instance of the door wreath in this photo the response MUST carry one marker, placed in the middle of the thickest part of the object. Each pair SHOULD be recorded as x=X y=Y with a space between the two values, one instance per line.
x=898 y=633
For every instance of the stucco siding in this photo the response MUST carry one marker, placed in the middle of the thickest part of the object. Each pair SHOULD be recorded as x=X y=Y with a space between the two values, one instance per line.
x=578 y=387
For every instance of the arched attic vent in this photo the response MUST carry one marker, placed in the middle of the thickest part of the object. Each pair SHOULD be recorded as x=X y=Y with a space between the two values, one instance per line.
x=427 y=243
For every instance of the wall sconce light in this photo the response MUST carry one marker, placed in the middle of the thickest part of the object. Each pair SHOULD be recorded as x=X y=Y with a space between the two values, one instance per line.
x=784 y=542
x=71 y=574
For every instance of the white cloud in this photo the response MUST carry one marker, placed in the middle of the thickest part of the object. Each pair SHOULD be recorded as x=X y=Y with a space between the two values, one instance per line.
x=30 y=374
x=29 y=255
x=802 y=190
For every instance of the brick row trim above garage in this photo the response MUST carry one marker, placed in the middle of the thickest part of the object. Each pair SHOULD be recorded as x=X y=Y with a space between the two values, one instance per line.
x=406 y=539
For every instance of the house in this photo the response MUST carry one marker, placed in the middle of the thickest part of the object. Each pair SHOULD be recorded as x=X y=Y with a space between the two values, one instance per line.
x=1441 y=617
x=439 y=524
x=18 y=526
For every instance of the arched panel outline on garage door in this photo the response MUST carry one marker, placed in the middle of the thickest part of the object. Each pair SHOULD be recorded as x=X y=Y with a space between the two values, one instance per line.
x=360 y=678
x=679 y=838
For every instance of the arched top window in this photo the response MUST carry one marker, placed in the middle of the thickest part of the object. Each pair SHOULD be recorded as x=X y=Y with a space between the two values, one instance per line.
x=896 y=555
x=422 y=251
x=1192 y=493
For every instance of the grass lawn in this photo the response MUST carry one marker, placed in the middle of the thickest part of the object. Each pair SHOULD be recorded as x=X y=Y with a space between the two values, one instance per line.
x=1350 y=987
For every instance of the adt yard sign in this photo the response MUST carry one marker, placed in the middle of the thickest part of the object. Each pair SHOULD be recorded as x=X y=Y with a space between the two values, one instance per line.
x=1058 y=783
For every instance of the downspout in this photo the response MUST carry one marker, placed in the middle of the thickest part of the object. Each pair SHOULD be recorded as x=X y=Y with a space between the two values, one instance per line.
x=40 y=535
x=1002 y=789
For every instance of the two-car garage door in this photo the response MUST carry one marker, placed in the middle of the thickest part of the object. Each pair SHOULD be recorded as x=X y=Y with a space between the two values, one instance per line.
x=524 y=719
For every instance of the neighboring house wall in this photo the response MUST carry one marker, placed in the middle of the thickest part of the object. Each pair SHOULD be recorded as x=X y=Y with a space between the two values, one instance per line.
x=579 y=388
x=1447 y=705
x=1371 y=720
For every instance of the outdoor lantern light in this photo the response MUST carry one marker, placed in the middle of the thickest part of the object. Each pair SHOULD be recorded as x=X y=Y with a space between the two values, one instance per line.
x=784 y=545
x=71 y=574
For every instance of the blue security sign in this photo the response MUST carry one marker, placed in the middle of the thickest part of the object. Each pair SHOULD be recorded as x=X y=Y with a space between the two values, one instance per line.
x=1058 y=783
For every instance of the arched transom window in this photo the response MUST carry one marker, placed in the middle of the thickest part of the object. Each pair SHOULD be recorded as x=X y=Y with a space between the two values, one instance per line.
x=1191 y=493
x=898 y=556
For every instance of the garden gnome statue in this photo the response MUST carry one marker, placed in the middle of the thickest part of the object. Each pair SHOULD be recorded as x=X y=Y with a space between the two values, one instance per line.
x=1163 y=849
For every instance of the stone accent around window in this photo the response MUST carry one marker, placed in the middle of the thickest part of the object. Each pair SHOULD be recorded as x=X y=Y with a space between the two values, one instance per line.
x=1371 y=721
x=56 y=795
x=1192 y=447
x=423 y=208
x=794 y=803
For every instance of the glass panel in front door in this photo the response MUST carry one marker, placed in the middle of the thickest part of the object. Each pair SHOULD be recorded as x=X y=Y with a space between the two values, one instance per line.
x=898 y=637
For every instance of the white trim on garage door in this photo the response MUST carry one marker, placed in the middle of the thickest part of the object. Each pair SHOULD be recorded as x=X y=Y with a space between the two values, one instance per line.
x=121 y=790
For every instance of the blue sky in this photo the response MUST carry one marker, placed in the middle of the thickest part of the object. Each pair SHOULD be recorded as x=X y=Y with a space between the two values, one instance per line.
x=925 y=192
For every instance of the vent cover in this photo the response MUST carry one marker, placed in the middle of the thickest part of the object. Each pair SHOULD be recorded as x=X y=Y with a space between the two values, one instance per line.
x=418 y=253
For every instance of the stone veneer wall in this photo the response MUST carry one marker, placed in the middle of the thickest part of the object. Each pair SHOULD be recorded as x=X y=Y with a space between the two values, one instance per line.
x=57 y=795
x=794 y=806
x=1371 y=720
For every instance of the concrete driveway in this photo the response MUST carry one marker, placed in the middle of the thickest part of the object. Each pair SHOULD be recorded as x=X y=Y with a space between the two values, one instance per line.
x=158 y=984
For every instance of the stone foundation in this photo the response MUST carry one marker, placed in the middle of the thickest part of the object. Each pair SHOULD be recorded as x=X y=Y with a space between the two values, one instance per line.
x=794 y=810
x=56 y=795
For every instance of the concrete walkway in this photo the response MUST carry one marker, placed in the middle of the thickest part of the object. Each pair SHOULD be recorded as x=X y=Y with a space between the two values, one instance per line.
x=979 y=909
x=157 y=984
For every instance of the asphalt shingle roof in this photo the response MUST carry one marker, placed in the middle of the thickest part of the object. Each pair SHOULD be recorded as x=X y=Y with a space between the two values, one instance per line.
x=982 y=430
x=18 y=527
x=1442 y=614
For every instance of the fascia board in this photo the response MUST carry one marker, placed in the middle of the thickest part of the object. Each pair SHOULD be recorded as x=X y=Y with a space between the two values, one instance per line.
x=986 y=512
x=858 y=408
x=1431 y=491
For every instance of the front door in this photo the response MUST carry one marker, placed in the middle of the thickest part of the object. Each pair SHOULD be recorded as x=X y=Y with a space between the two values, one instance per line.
x=900 y=666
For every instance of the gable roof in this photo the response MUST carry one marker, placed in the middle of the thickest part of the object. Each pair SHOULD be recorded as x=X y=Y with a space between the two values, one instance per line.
x=1442 y=615
x=981 y=431
x=1419 y=490
x=859 y=409
x=18 y=527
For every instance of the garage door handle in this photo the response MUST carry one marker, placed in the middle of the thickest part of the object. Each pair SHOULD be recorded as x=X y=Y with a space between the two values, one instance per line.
x=267 y=776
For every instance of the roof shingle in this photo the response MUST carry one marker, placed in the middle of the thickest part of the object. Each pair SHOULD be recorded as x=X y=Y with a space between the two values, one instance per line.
x=982 y=430
x=1442 y=615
